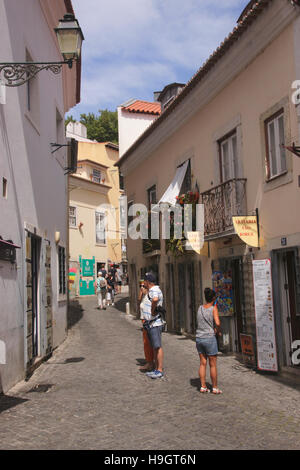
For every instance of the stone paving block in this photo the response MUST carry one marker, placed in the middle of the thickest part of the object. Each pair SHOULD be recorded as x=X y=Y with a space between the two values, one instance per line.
x=100 y=400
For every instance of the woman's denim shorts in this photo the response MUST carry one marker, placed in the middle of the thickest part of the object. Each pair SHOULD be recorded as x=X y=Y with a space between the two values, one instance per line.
x=207 y=346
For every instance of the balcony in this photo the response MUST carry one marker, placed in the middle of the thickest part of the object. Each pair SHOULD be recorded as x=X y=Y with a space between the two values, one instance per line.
x=220 y=204
x=151 y=247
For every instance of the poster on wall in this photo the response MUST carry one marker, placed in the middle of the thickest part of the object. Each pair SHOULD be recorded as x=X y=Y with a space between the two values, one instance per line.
x=87 y=267
x=264 y=315
x=222 y=285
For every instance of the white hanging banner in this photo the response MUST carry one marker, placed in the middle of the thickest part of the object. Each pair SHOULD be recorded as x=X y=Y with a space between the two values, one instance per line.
x=264 y=315
x=174 y=188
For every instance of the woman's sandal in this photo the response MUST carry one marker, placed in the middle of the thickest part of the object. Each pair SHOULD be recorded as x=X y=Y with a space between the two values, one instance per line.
x=216 y=391
x=204 y=390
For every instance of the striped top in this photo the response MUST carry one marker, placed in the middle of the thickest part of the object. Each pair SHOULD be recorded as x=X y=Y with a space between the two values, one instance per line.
x=154 y=292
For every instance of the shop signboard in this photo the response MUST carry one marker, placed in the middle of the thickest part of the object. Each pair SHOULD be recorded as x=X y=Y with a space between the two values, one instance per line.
x=88 y=267
x=248 y=352
x=246 y=227
x=264 y=315
x=87 y=276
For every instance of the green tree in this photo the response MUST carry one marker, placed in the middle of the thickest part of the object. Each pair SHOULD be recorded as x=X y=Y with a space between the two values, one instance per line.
x=103 y=128
x=69 y=119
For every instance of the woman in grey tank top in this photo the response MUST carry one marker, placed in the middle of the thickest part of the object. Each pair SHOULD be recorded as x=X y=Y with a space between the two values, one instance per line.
x=208 y=325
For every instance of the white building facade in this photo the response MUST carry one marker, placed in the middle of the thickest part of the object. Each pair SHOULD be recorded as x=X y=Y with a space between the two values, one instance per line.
x=34 y=199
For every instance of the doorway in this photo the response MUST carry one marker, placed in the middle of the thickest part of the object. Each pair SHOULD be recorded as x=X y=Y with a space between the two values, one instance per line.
x=228 y=285
x=288 y=289
x=35 y=271
x=186 y=287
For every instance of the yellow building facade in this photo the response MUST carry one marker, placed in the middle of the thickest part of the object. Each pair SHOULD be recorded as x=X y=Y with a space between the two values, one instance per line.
x=94 y=226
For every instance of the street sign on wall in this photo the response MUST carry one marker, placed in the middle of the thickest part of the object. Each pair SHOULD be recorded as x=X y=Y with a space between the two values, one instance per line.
x=264 y=315
x=88 y=267
x=87 y=276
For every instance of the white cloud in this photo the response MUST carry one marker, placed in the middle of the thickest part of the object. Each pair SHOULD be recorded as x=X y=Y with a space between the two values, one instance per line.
x=135 y=47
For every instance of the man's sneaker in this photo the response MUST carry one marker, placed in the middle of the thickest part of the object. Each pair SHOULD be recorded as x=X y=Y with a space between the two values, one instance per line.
x=151 y=372
x=155 y=374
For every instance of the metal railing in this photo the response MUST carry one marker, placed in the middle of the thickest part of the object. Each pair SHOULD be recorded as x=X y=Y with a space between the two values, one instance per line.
x=221 y=203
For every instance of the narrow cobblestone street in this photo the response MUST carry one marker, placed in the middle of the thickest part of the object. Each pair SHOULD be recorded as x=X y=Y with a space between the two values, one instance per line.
x=95 y=397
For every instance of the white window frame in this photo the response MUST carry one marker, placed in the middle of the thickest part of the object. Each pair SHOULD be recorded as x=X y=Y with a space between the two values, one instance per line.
x=103 y=241
x=74 y=216
x=280 y=170
x=232 y=158
x=62 y=271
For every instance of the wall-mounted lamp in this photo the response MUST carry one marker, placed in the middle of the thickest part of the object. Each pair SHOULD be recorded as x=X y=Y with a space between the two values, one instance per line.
x=69 y=36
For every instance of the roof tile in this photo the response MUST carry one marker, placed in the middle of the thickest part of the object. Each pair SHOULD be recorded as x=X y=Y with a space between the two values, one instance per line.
x=143 y=107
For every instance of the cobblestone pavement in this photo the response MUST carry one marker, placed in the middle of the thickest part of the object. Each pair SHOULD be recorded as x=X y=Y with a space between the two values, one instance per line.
x=95 y=397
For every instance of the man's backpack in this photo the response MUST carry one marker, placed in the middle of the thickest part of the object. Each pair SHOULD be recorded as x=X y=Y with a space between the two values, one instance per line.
x=102 y=283
x=159 y=310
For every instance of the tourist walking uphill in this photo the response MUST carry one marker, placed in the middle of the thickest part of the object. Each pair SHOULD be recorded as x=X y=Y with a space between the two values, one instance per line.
x=101 y=288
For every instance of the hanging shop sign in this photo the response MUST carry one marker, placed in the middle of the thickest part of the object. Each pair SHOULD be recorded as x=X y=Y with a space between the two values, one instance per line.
x=264 y=315
x=87 y=267
x=195 y=240
x=246 y=228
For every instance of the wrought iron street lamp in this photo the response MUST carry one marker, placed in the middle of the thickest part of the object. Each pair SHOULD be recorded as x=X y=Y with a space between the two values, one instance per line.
x=69 y=36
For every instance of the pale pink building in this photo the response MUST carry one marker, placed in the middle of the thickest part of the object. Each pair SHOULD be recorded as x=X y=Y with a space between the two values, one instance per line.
x=34 y=197
x=227 y=130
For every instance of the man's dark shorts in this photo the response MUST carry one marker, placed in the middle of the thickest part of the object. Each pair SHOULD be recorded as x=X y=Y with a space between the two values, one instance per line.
x=154 y=335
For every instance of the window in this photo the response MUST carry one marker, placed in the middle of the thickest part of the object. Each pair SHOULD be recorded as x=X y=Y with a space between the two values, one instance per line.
x=96 y=176
x=32 y=95
x=187 y=182
x=152 y=196
x=228 y=157
x=275 y=137
x=72 y=216
x=100 y=228
x=121 y=181
x=4 y=188
x=122 y=206
x=130 y=218
x=62 y=269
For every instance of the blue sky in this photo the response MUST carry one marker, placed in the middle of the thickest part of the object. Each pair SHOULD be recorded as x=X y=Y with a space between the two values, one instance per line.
x=135 y=47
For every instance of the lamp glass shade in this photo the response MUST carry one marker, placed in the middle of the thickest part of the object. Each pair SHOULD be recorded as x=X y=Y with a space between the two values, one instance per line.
x=69 y=36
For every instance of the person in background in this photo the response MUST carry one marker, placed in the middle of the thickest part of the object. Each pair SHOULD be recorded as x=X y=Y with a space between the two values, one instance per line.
x=110 y=290
x=208 y=326
x=112 y=271
x=101 y=287
x=153 y=299
x=148 y=350
x=103 y=271
x=118 y=276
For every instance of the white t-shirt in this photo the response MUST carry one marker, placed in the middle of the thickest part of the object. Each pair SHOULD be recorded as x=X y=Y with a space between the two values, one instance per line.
x=146 y=303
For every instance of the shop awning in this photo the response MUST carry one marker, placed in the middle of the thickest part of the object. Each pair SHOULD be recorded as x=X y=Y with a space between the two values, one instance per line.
x=8 y=244
x=173 y=190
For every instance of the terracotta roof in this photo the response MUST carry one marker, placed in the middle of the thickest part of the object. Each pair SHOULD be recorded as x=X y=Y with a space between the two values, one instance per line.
x=242 y=26
x=143 y=107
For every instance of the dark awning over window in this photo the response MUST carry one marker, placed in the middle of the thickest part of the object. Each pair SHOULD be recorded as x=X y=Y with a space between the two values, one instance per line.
x=8 y=243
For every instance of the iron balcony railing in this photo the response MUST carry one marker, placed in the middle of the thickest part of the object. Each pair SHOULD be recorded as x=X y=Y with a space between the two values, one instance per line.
x=220 y=204
x=150 y=246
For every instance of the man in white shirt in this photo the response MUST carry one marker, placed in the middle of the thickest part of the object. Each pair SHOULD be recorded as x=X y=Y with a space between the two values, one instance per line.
x=151 y=301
